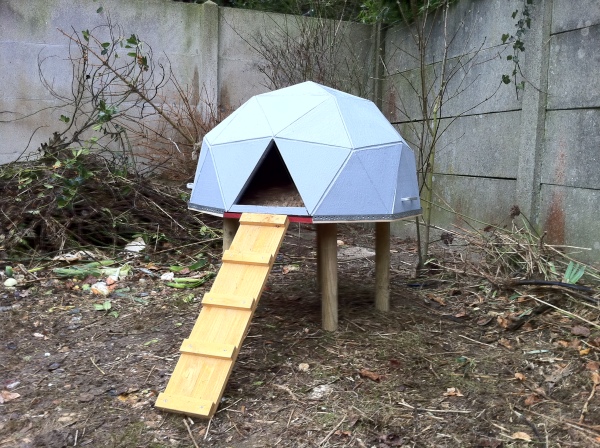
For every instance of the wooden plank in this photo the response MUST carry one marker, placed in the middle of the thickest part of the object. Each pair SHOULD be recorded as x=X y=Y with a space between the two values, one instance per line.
x=210 y=349
x=328 y=275
x=382 y=266
x=230 y=256
x=228 y=301
x=185 y=405
x=208 y=355
x=257 y=219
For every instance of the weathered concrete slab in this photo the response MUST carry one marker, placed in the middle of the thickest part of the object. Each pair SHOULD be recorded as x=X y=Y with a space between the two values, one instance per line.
x=475 y=90
x=479 y=145
x=570 y=216
x=574 y=65
x=568 y=15
x=572 y=154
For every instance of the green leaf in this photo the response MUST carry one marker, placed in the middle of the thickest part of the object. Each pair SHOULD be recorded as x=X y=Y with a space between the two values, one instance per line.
x=505 y=38
x=105 y=44
x=199 y=264
x=99 y=10
x=64 y=118
x=114 y=314
x=506 y=79
x=86 y=35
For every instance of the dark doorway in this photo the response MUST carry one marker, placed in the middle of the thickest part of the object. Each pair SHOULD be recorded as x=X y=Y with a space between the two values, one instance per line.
x=271 y=183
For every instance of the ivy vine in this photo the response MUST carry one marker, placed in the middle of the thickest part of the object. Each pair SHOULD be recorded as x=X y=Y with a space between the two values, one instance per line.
x=522 y=25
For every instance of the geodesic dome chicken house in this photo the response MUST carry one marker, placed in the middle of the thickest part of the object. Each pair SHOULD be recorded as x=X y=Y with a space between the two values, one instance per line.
x=307 y=150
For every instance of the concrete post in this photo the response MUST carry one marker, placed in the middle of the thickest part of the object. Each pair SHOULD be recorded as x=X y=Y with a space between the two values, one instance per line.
x=533 y=111
x=209 y=58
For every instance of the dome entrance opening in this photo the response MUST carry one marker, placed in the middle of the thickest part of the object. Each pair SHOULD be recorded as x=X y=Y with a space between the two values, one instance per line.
x=271 y=183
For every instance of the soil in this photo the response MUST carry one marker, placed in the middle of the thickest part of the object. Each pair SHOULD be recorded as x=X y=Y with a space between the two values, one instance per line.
x=437 y=370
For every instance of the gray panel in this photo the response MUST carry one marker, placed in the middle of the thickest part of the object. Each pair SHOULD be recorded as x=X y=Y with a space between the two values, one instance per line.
x=407 y=187
x=352 y=193
x=206 y=191
x=366 y=124
x=282 y=111
x=215 y=132
x=322 y=125
x=566 y=16
x=292 y=211
x=572 y=155
x=249 y=124
x=381 y=165
x=235 y=163
x=311 y=179
x=570 y=216
x=573 y=80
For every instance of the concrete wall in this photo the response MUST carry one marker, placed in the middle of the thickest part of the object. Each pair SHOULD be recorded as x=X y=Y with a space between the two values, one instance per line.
x=539 y=150
x=211 y=49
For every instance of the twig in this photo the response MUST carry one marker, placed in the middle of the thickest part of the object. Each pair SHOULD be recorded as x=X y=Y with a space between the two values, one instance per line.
x=332 y=431
x=584 y=410
x=190 y=432
x=287 y=389
x=207 y=429
x=477 y=342
x=566 y=312
x=439 y=411
x=96 y=366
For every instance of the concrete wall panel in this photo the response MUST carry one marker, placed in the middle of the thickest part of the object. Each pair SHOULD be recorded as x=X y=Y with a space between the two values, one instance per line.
x=570 y=216
x=574 y=64
x=568 y=15
x=572 y=155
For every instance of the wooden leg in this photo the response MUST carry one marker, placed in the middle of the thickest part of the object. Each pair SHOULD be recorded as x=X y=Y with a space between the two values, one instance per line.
x=327 y=259
x=382 y=266
x=319 y=261
x=230 y=226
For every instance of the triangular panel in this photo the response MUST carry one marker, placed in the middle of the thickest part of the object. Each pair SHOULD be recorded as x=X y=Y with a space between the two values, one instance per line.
x=206 y=191
x=304 y=88
x=366 y=124
x=381 y=165
x=250 y=124
x=235 y=162
x=271 y=183
x=407 y=187
x=312 y=179
x=283 y=111
x=321 y=125
x=214 y=133
x=352 y=193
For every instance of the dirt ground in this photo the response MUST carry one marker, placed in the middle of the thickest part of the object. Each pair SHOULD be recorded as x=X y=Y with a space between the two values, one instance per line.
x=438 y=370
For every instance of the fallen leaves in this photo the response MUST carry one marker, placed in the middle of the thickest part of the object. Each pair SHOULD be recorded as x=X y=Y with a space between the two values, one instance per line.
x=521 y=436
x=6 y=396
x=579 y=330
x=453 y=392
x=364 y=373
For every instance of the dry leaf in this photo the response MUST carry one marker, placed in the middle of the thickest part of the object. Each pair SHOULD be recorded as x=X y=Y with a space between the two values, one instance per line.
x=6 y=396
x=453 y=392
x=593 y=365
x=505 y=343
x=580 y=331
x=596 y=378
x=564 y=344
x=503 y=322
x=520 y=376
x=584 y=351
x=521 y=436
x=303 y=367
x=437 y=299
x=370 y=375
x=532 y=399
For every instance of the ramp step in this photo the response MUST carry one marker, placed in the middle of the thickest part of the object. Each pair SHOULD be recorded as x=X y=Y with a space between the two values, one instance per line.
x=185 y=405
x=228 y=301
x=252 y=258
x=263 y=220
x=223 y=351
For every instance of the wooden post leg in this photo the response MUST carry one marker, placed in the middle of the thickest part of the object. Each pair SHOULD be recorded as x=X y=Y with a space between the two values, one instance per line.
x=230 y=226
x=327 y=260
x=319 y=260
x=382 y=266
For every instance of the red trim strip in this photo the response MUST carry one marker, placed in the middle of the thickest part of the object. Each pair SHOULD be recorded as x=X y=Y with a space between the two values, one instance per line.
x=300 y=219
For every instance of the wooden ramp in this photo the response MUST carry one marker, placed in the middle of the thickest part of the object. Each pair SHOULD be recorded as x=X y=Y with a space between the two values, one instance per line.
x=207 y=356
